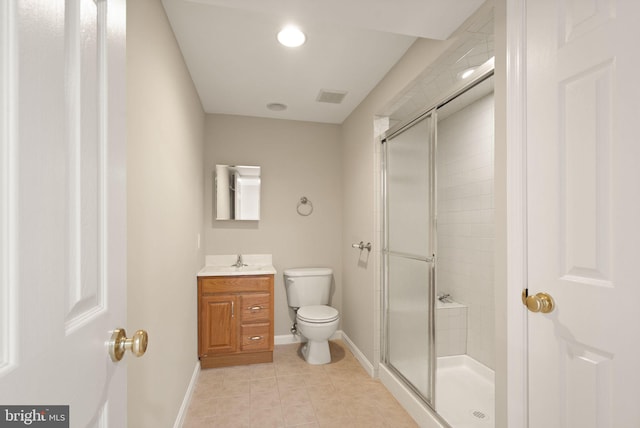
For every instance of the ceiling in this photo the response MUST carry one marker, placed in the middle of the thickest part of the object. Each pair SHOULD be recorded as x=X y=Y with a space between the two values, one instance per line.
x=238 y=67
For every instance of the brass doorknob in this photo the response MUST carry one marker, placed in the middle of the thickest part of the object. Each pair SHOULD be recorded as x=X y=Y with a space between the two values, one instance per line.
x=540 y=302
x=119 y=344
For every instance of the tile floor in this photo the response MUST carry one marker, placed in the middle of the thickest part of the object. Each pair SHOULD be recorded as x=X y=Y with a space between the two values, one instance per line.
x=291 y=393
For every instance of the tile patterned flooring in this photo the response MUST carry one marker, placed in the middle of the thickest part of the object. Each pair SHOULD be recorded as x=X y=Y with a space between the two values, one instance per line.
x=291 y=393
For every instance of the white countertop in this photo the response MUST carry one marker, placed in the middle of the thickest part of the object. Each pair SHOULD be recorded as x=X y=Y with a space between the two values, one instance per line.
x=223 y=265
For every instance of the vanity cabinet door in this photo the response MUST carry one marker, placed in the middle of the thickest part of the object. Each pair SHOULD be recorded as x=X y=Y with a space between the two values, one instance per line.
x=218 y=324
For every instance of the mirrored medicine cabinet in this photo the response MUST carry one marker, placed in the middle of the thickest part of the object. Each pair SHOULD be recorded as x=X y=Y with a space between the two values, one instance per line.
x=237 y=192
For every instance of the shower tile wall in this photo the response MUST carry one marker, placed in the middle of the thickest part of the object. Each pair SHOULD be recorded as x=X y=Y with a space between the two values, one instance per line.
x=451 y=331
x=466 y=220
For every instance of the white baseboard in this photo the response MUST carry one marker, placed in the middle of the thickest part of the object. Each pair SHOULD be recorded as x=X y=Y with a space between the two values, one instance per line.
x=287 y=339
x=364 y=362
x=182 y=413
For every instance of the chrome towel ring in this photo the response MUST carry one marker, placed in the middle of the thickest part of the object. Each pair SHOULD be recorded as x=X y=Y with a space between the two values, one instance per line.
x=305 y=207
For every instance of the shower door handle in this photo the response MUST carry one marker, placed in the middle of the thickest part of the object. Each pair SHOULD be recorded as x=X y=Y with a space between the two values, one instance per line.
x=410 y=256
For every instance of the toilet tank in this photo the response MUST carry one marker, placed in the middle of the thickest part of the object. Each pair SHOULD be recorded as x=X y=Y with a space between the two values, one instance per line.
x=308 y=286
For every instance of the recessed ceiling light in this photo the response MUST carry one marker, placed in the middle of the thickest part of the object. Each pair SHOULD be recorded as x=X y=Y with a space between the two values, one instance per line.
x=276 y=106
x=291 y=37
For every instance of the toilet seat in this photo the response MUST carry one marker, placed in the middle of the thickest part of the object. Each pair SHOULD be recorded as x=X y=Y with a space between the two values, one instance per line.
x=317 y=314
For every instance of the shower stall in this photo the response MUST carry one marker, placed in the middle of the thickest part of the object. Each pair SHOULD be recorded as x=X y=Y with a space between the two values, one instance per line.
x=438 y=317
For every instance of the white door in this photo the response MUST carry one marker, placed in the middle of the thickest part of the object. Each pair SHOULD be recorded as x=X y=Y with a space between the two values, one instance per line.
x=583 y=185
x=62 y=212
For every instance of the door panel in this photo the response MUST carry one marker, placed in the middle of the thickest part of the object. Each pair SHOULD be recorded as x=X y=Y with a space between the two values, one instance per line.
x=409 y=321
x=62 y=143
x=86 y=171
x=409 y=191
x=583 y=206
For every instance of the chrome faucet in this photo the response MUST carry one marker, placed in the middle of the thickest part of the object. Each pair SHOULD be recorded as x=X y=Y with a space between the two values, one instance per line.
x=239 y=263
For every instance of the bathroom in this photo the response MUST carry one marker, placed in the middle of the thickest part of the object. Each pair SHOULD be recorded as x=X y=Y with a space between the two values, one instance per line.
x=107 y=189
x=334 y=166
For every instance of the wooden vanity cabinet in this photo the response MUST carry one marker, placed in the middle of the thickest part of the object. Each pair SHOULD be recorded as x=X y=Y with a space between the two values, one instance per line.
x=235 y=320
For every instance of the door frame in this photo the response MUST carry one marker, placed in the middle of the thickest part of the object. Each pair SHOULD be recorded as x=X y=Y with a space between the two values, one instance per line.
x=512 y=390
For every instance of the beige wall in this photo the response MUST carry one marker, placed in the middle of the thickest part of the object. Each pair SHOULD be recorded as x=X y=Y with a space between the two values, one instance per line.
x=360 y=197
x=296 y=159
x=165 y=196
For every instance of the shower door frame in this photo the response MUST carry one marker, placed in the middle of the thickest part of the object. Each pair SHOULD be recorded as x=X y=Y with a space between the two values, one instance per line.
x=428 y=115
x=483 y=73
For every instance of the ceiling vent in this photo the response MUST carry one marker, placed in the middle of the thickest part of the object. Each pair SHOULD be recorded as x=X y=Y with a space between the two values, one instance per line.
x=333 y=97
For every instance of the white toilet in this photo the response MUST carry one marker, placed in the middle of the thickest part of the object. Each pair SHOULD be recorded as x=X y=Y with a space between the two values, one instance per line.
x=308 y=291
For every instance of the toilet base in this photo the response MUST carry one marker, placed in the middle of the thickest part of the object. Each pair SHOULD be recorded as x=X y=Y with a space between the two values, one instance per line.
x=316 y=352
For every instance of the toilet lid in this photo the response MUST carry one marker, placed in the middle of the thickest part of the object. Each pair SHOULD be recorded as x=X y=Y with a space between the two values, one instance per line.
x=317 y=313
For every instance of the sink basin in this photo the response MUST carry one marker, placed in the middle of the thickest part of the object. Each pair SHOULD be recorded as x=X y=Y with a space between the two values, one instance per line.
x=236 y=271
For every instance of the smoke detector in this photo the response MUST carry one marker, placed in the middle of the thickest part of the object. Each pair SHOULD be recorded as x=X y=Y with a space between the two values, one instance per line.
x=277 y=106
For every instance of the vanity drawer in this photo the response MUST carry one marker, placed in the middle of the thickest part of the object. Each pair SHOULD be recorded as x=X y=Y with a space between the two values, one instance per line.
x=235 y=284
x=255 y=337
x=256 y=307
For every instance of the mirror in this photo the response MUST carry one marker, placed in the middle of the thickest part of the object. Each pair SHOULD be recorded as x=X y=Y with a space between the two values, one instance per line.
x=237 y=192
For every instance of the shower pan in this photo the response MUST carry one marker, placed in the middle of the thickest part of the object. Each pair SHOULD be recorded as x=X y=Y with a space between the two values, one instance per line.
x=437 y=197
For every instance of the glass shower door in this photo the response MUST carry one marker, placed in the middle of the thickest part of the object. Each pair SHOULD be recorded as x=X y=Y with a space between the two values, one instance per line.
x=409 y=244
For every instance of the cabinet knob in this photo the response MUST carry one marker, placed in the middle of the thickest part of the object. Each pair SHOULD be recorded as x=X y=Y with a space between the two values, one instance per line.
x=255 y=308
x=255 y=338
